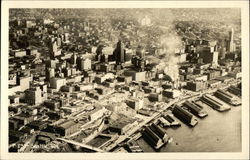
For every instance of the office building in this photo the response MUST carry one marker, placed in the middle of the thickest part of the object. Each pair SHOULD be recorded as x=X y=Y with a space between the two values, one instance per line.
x=139 y=63
x=57 y=83
x=196 y=85
x=119 y=53
x=24 y=82
x=73 y=58
x=67 y=128
x=20 y=53
x=33 y=96
x=50 y=73
x=171 y=93
x=231 y=45
x=208 y=55
x=136 y=104
x=85 y=64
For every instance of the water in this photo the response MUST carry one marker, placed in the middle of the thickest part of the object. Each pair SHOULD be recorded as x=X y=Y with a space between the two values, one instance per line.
x=219 y=132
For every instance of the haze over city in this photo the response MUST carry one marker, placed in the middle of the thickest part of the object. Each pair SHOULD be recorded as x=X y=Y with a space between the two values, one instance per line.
x=125 y=80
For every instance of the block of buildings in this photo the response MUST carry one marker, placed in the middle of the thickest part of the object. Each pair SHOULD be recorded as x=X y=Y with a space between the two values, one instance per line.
x=85 y=64
x=214 y=83
x=14 y=99
x=34 y=95
x=136 y=104
x=235 y=75
x=52 y=104
x=67 y=128
x=67 y=88
x=19 y=53
x=212 y=74
x=155 y=97
x=136 y=76
x=24 y=83
x=196 y=85
x=209 y=55
x=122 y=124
x=57 y=83
x=170 y=93
x=201 y=78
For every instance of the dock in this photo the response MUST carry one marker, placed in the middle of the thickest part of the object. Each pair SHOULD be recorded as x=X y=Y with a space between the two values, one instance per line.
x=214 y=103
x=184 y=116
x=173 y=122
x=195 y=109
x=155 y=136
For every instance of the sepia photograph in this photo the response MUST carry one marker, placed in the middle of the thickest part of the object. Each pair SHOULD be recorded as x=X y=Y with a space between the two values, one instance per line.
x=113 y=80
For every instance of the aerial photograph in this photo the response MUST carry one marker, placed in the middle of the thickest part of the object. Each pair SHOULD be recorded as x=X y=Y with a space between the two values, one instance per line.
x=129 y=80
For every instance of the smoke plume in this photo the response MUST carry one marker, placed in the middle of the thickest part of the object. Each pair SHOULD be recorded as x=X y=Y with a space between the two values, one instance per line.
x=169 y=44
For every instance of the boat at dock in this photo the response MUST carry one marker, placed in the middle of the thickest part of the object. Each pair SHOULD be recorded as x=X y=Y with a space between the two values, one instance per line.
x=168 y=120
x=136 y=136
x=133 y=146
x=164 y=122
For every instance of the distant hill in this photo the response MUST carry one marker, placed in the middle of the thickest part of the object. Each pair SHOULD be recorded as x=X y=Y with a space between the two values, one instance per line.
x=203 y=23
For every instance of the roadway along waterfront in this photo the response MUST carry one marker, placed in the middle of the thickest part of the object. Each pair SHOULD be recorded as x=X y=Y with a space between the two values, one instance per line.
x=164 y=107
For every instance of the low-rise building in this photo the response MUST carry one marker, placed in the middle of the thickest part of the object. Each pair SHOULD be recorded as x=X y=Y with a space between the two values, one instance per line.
x=84 y=87
x=214 y=83
x=37 y=125
x=136 y=76
x=122 y=125
x=52 y=104
x=23 y=119
x=96 y=113
x=170 y=93
x=201 y=78
x=225 y=79
x=57 y=83
x=67 y=128
x=155 y=97
x=212 y=74
x=14 y=99
x=67 y=88
x=235 y=75
x=34 y=95
x=196 y=85
x=136 y=104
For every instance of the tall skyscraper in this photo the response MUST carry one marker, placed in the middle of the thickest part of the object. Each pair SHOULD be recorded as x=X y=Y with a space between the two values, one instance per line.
x=231 y=35
x=54 y=49
x=231 y=40
x=222 y=49
x=119 y=53
x=50 y=72
x=73 y=58
x=208 y=55
x=58 y=41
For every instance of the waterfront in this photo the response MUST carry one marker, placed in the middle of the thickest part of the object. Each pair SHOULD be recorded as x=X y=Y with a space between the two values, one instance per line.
x=219 y=132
